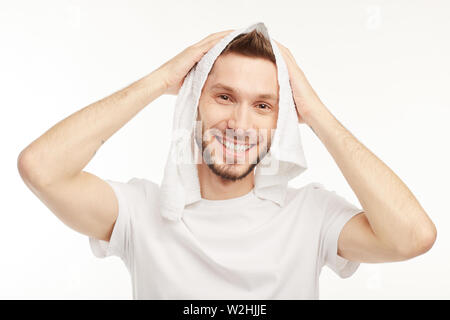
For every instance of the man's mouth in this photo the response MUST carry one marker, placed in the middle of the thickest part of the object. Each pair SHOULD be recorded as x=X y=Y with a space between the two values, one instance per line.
x=234 y=146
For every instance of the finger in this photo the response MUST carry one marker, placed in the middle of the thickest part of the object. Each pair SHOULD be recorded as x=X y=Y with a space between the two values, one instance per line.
x=215 y=40
x=214 y=36
x=282 y=49
x=278 y=44
x=209 y=44
x=287 y=54
x=285 y=50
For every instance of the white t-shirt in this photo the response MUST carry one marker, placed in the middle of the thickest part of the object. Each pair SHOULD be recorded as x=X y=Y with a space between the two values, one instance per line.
x=240 y=248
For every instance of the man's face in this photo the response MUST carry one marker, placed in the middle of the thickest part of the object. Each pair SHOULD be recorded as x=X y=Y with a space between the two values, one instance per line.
x=238 y=110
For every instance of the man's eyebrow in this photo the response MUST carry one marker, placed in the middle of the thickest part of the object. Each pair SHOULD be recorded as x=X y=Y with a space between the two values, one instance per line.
x=228 y=88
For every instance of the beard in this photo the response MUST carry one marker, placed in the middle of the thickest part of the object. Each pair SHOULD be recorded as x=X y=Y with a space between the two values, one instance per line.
x=233 y=171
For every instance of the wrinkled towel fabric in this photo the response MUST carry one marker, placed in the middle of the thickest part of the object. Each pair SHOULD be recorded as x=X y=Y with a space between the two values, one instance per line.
x=180 y=185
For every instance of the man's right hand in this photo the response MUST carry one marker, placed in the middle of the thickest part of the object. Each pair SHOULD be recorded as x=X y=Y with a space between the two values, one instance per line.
x=52 y=165
x=175 y=70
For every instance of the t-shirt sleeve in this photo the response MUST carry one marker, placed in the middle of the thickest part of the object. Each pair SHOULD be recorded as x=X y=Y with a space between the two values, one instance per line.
x=120 y=243
x=338 y=211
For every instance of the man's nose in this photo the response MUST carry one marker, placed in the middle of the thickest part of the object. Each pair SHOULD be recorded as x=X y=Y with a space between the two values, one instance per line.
x=240 y=119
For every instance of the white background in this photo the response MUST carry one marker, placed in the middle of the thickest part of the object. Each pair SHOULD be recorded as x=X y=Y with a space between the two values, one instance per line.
x=381 y=67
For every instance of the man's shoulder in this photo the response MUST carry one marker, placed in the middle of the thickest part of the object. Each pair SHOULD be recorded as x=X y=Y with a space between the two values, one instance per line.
x=136 y=185
x=312 y=187
x=143 y=182
x=150 y=187
x=312 y=195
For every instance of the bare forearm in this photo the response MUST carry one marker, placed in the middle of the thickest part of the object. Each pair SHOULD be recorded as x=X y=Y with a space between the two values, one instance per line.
x=395 y=215
x=67 y=147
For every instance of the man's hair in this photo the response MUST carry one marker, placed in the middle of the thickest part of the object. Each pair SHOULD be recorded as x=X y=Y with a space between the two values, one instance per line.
x=251 y=44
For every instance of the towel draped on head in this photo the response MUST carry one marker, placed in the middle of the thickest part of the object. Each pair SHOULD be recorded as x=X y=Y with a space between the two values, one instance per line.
x=285 y=160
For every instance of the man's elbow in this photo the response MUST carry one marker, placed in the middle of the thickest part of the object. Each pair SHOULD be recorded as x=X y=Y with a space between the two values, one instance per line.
x=422 y=243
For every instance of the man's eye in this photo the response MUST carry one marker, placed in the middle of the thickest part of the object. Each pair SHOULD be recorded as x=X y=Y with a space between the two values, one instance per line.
x=222 y=95
x=265 y=106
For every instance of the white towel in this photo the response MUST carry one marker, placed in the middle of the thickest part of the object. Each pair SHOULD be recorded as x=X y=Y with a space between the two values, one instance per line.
x=180 y=185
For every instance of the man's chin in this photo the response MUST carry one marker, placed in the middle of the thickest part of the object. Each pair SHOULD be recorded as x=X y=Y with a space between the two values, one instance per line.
x=230 y=169
x=232 y=172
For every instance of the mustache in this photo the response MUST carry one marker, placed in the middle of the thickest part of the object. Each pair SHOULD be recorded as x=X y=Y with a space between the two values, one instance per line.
x=248 y=137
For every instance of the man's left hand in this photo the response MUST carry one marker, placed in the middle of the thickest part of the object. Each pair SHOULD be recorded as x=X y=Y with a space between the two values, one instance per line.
x=305 y=98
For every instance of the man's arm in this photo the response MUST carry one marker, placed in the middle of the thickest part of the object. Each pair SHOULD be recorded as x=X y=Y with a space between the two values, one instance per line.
x=393 y=225
x=51 y=166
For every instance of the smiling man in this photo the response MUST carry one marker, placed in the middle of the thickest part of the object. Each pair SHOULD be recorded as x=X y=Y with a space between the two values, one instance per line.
x=238 y=111
x=231 y=244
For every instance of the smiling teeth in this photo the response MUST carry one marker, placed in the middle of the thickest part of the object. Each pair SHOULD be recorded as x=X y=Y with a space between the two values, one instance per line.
x=236 y=147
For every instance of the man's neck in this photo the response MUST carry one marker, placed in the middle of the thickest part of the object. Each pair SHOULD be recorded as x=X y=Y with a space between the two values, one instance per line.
x=214 y=187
